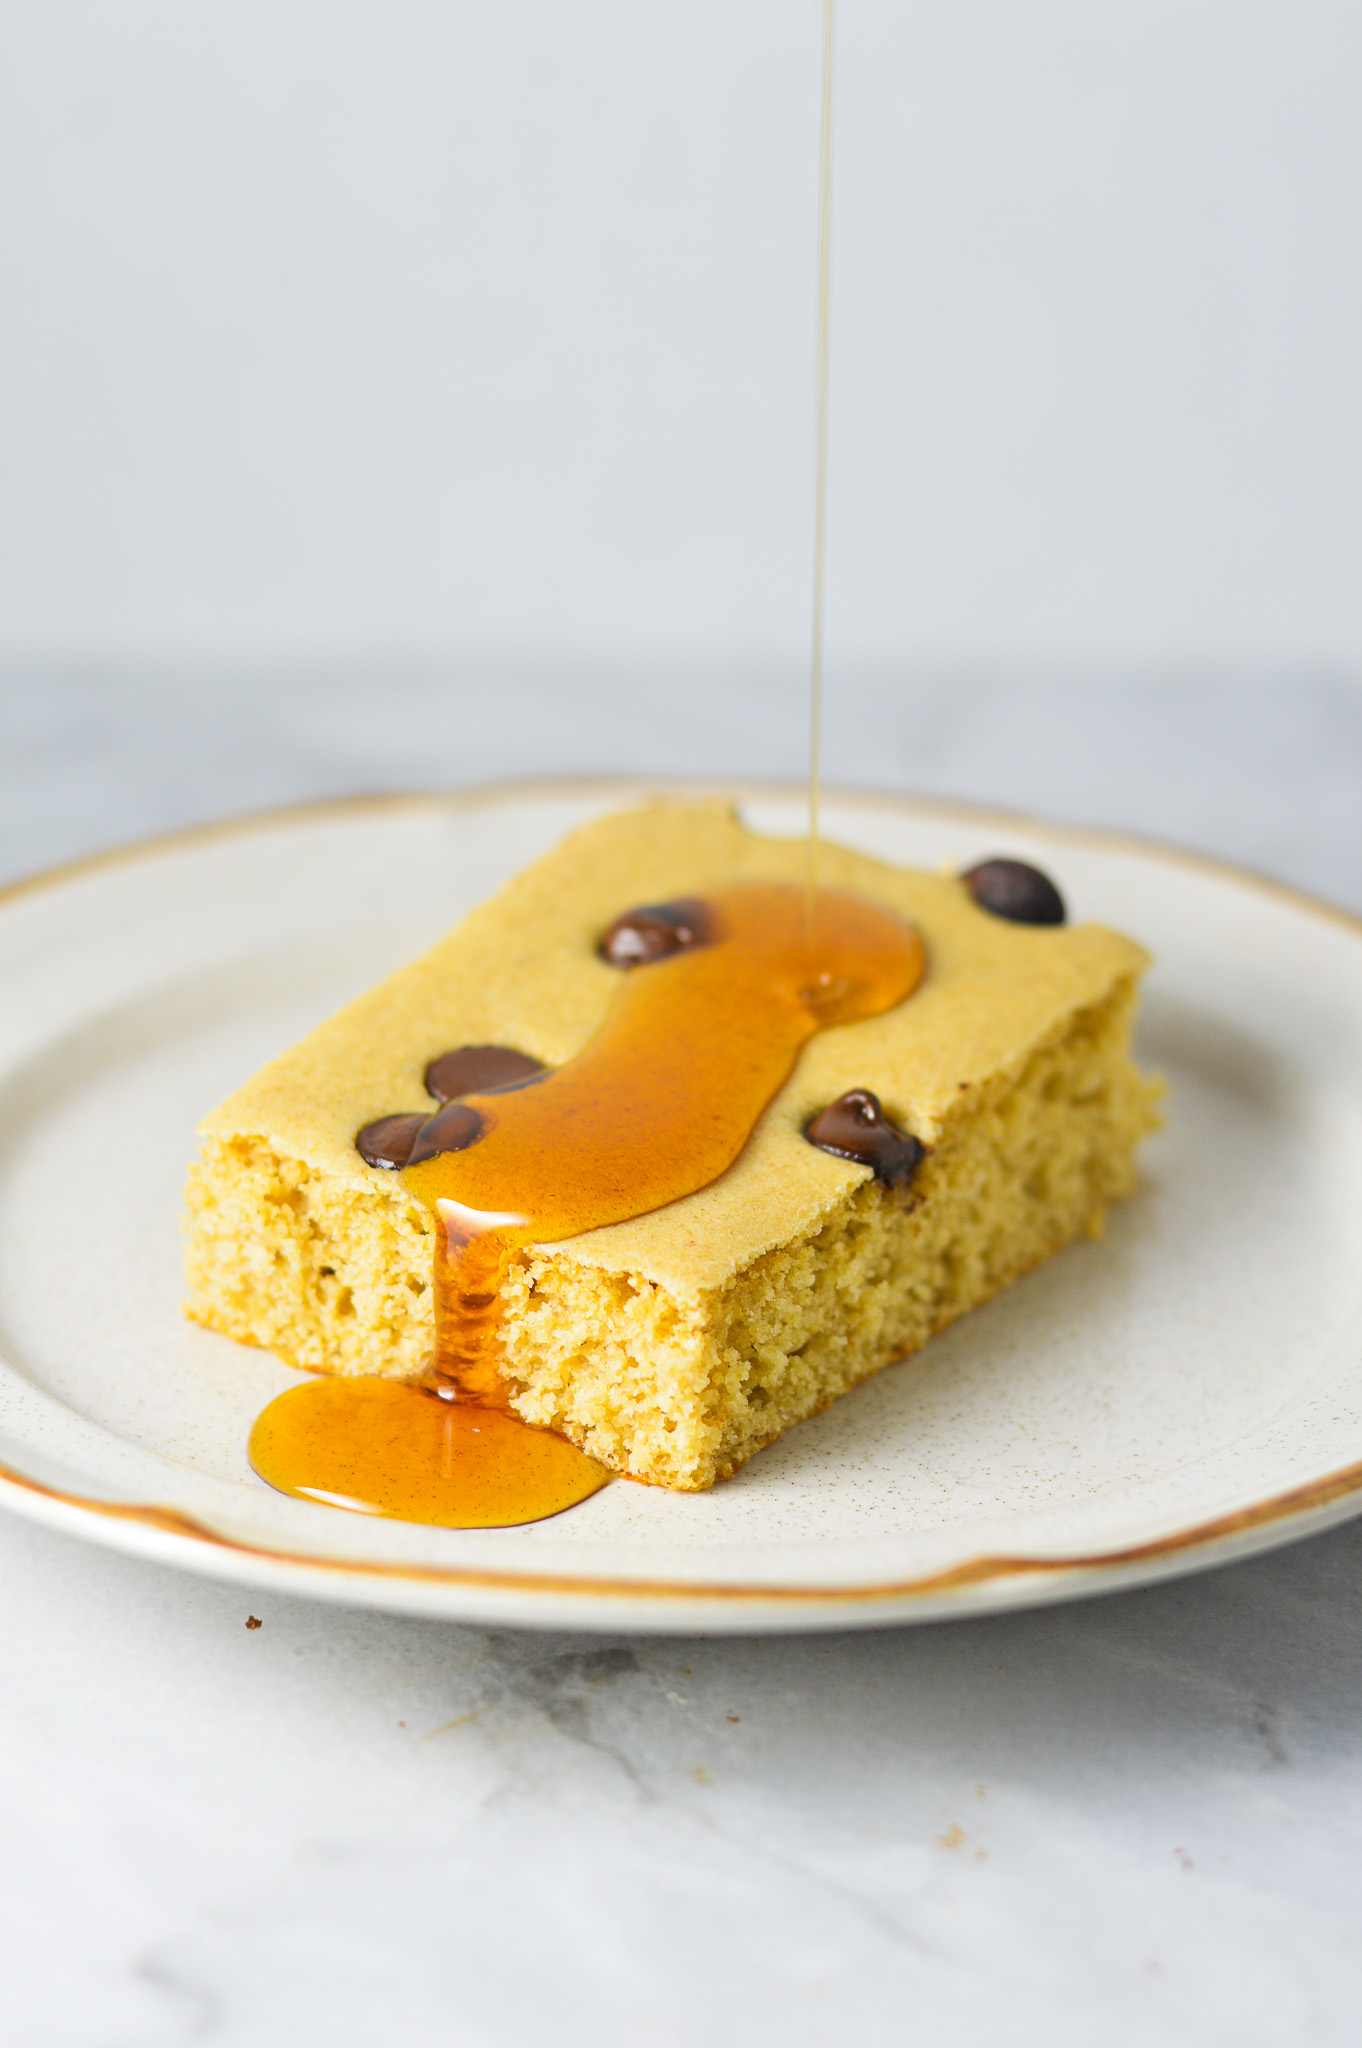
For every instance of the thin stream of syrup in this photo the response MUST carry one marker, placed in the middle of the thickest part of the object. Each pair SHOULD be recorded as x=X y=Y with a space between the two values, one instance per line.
x=656 y=1106
x=820 y=466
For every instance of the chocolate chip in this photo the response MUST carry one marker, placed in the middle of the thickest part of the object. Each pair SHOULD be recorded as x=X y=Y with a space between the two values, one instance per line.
x=654 y=930
x=397 y=1141
x=1012 y=889
x=479 y=1070
x=449 y=1130
x=856 y=1127
x=388 y=1141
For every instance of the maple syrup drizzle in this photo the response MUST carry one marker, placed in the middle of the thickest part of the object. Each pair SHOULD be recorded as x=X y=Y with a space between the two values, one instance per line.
x=820 y=467
x=656 y=1106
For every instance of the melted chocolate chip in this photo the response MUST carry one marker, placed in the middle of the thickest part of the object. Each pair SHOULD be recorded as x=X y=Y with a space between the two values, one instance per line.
x=654 y=930
x=398 y=1141
x=479 y=1070
x=1012 y=889
x=856 y=1127
x=449 y=1130
x=388 y=1141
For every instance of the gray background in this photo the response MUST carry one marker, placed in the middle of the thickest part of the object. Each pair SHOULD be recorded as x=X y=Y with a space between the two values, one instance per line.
x=412 y=396
x=342 y=329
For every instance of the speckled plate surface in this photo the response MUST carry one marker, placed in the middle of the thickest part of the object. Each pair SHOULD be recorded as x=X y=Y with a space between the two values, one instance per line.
x=1186 y=1391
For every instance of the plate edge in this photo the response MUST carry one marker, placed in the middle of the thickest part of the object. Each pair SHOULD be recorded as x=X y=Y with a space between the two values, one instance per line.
x=1311 y=1498
x=476 y=796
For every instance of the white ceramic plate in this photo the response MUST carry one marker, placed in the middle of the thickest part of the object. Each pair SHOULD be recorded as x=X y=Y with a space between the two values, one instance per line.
x=1185 y=1391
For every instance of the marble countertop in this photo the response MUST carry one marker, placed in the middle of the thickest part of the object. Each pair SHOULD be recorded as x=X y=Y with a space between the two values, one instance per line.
x=1133 y=1821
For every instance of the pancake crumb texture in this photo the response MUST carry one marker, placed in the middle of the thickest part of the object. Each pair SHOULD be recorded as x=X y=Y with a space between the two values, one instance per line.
x=674 y=1347
x=680 y=1390
x=330 y=1278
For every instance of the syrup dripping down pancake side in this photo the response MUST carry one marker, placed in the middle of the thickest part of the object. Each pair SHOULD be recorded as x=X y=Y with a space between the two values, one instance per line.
x=658 y=1105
